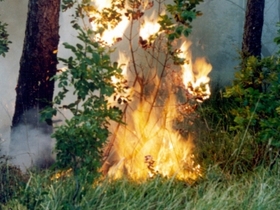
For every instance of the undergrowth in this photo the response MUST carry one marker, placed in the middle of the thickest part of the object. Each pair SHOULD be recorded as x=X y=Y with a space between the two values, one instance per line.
x=254 y=190
x=233 y=152
x=11 y=180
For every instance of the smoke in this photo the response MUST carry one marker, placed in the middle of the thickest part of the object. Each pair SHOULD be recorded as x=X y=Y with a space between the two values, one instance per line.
x=31 y=144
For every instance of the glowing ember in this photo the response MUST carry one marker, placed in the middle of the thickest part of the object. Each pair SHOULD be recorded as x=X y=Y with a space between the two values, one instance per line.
x=62 y=174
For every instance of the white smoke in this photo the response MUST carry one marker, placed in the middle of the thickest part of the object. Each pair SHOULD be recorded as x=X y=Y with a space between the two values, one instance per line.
x=31 y=144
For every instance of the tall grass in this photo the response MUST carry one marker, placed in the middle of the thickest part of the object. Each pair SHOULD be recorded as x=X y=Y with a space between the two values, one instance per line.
x=256 y=190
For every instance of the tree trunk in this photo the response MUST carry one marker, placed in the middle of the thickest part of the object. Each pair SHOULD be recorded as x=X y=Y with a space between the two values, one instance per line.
x=251 y=45
x=252 y=38
x=39 y=59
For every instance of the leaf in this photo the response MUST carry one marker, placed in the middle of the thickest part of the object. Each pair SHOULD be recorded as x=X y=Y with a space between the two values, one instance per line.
x=96 y=58
x=187 y=32
x=188 y=15
x=171 y=37
x=68 y=46
x=47 y=114
x=79 y=46
x=179 y=29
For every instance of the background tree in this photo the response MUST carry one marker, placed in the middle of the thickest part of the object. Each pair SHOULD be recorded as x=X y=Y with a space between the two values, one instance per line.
x=252 y=36
x=253 y=26
x=39 y=58
x=3 y=38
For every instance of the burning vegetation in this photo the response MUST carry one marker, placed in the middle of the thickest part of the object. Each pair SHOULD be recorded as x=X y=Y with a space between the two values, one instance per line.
x=163 y=86
x=153 y=82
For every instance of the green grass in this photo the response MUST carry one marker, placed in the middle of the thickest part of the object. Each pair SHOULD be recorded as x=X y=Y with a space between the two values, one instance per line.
x=256 y=190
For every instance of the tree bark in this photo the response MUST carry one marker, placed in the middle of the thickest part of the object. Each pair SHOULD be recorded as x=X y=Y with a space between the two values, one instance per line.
x=39 y=58
x=254 y=17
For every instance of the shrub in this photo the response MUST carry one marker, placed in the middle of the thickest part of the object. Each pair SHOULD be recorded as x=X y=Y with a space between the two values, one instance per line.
x=256 y=95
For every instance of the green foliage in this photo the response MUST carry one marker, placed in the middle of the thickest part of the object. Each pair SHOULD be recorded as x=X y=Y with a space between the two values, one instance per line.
x=89 y=72
x=256 y=109
x=232 y=152
x=4 y=42
x=181 y=12
x=256 y=95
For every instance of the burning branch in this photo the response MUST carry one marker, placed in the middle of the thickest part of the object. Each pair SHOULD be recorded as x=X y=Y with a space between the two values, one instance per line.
x=152 y=41
x=150 y=164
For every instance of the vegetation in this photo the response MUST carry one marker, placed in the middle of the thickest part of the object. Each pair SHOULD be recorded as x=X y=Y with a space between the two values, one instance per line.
x=242 y=120
x=237 y=146
x=256 y=190
x=90 y=71
x=11 y=180
x=79 y=140
x=4 y=42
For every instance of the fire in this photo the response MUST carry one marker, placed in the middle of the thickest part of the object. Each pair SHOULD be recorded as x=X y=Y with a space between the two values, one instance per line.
x=126 y=93
x=149 y=27
x=112 y=35
x=149 y=143
x=113 y=32
x=195 y=76
x=100 y=5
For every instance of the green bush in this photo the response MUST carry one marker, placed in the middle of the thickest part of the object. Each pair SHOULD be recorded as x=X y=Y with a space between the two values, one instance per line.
x=242 y=122
x=256 y=96
x=80 y=139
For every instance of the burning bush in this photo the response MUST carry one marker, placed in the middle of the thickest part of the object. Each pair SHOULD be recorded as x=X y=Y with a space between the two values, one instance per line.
x=134 y=77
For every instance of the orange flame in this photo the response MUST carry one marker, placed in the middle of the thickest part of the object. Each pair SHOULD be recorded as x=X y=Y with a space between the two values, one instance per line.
x=112 y=35
x=195 y=76
x=149 y=26
x=149 y=144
